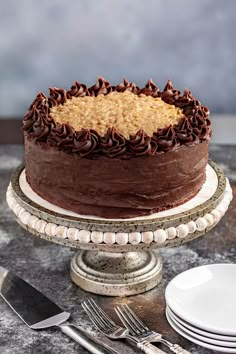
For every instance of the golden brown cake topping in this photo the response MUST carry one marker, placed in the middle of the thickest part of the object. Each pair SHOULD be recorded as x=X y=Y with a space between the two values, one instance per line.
x=125 y=111
x=122 y=121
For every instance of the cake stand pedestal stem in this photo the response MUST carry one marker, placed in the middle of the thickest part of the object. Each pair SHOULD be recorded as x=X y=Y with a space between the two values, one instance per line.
x=116 y=274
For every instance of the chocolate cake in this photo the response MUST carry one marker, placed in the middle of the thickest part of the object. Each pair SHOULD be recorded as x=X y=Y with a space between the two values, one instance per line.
x=116 y=151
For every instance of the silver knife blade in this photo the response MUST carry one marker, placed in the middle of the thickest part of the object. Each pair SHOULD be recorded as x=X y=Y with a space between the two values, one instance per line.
x=39 y=312
x=34 y=308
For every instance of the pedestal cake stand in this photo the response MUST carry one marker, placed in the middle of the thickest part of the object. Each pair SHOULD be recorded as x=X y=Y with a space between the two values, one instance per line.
x=117 y=256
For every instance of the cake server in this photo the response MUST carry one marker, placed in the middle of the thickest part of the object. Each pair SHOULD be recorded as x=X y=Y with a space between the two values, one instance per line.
x=38 y=312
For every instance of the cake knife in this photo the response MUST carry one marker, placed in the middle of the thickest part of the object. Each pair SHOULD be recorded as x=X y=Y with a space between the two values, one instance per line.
x=39 y=312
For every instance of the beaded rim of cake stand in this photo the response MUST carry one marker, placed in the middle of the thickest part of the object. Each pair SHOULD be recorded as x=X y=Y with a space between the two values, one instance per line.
x=160 y=237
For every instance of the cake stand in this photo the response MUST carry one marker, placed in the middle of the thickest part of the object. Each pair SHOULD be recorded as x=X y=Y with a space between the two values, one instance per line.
x=119 y=257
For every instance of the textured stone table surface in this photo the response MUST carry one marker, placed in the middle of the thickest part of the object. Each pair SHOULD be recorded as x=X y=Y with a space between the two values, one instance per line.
x=46 y=266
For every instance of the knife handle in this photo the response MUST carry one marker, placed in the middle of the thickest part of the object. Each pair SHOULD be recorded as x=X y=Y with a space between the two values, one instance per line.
x=93 y=345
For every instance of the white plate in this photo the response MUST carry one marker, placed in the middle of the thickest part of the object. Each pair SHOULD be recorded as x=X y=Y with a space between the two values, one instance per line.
x=206 y=297
x=197 y=341
x=199 y=331
x=201 y=337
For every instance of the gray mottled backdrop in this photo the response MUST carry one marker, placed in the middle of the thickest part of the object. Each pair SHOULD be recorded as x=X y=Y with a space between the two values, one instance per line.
x=52 y=43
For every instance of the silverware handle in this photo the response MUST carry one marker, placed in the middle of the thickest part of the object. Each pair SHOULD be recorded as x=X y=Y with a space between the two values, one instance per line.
x=175 y=348
x=149 y=348
x=93 y=345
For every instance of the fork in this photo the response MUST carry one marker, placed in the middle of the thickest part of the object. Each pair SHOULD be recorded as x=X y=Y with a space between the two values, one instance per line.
x=137 y=328
x=111 y=330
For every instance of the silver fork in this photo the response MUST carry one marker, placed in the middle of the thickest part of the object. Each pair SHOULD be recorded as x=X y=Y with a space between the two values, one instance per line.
x=108 y=327
x=137 y=328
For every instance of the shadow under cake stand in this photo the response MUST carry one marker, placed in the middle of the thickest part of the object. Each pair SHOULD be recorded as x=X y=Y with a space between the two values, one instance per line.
x=119 y=257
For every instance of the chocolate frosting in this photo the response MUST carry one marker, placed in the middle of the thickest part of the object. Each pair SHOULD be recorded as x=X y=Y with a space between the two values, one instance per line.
x=113 y=187
x=86 y=142
x=62 y=136
x=195 y=127
x=113 y=144
x=166 y=139
x=57 y=96
x=169 y=94
x=141 y=144
x=127 y=86
x=185 y=133
x=78 y=90
x=101 y=87
x=150 y=89
x=184 y=100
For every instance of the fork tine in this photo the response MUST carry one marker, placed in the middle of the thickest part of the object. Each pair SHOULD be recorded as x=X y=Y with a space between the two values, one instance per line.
x=135 y=326
x=96 y=313
x=124 y=320
x=136 y=318
x=107 y=320
x=94 y=318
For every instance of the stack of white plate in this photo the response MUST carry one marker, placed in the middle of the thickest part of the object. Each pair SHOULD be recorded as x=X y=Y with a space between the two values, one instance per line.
x=201 y=306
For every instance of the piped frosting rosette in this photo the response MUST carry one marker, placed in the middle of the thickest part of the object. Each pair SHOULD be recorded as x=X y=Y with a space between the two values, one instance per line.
x=193 y=128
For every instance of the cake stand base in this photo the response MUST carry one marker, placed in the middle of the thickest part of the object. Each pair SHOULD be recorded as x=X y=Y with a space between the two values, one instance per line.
x=116 y=274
